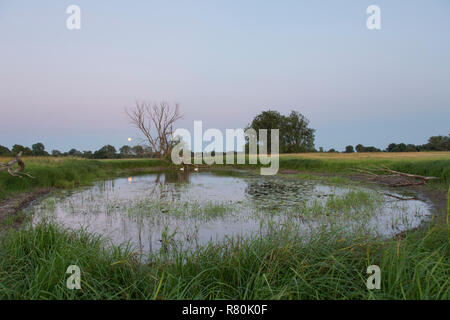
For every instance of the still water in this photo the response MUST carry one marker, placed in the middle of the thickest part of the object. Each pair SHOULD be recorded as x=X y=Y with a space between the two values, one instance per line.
x=180 y=209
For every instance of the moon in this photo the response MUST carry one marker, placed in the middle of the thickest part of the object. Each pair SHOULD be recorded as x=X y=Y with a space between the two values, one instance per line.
x=129 y=139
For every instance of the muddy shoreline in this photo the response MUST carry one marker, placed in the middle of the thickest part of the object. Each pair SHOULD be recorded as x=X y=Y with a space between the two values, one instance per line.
x=12 y=205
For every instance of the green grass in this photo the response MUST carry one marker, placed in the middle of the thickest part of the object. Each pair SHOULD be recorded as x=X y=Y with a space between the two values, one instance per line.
x=33 y=263
x=279 y=265
x=69 y=172
x=437 y=168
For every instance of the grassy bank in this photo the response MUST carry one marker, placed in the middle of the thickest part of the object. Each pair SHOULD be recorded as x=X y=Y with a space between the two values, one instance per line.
x=281 y=265
x=435 y=164
x=71 y=172
x=68 y=172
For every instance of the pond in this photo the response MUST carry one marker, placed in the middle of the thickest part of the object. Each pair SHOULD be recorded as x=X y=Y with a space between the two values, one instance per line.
x=161 y=210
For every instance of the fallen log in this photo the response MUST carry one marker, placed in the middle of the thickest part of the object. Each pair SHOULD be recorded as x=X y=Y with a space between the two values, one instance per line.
x=395 y=178
x=16 y=172
x=409 y=174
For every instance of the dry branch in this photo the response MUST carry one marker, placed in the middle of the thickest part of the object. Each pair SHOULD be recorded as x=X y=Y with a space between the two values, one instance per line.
x=395 y=178
x=415 y=176
x=16 y=172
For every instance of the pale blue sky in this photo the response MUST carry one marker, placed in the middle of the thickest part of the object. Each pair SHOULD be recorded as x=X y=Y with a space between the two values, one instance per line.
x=224 y=62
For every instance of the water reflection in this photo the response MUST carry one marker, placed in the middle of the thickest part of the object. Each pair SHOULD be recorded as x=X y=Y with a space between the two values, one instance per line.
x=193 y=208
x=166 y=185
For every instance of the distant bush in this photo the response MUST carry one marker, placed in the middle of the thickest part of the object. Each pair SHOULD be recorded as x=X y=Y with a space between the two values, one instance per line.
x=38 y=149
x=349 y=149
x=19 y=148
x=435 y=143
x=106 y=152
x=4 y=151
x=361 y=148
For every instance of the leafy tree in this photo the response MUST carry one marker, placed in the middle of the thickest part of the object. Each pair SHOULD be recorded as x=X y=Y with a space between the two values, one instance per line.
x=269 y=120
x=401 y=147
x=361 y=148
x=4 y=151
x=56 y=153
x=138 y=151
x=435 y=143
x=25 y=150
x=295 y=135
x=88 y=154
x=39 y=149
x=75 y=153
x=148 y=152
x=391 y=147
x=125 y=151
x=438 y=143
x=106 y=152
x=332 y=150
x=411 y=148
x=349 y=149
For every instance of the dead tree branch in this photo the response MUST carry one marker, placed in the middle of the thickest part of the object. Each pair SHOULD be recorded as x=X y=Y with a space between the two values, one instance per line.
x=415 y=176
x=15 y=172
x=395 y=178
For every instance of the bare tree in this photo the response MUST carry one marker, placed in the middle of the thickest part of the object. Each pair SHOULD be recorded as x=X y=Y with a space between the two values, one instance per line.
x=156 y=121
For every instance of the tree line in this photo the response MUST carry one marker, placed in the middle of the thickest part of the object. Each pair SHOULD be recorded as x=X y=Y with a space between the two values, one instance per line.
x=435 y=143
x=295 y=136
x=105 y=152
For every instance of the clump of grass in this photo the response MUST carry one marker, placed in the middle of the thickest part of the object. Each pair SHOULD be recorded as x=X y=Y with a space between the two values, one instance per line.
x=214 y=210
x=279 y=265
x=34 y=262
x=353 y=200
x=159 y=210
